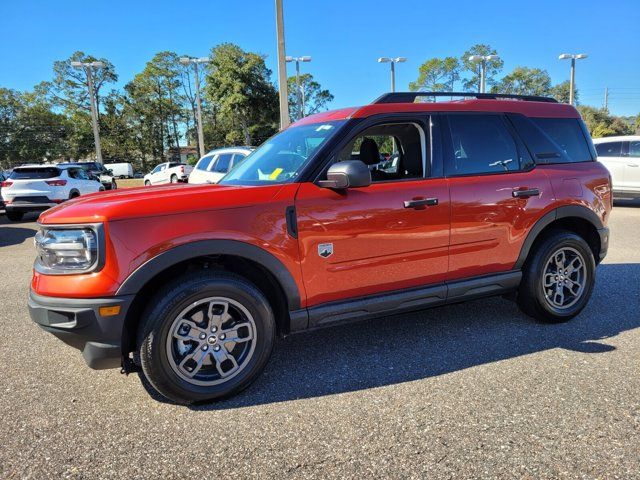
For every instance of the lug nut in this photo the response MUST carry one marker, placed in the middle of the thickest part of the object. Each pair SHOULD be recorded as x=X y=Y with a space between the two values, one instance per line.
x=202 y=336
x=223 y=336
x=216 y=348
x=205 y=348
x=214 y=329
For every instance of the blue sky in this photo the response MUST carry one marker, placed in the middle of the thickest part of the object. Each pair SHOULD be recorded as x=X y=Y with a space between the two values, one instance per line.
x=343 y=37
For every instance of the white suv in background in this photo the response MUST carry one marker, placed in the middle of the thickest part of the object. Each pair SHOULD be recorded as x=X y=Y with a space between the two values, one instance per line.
x=38 y=187
x=621 y=156
x=215 y=164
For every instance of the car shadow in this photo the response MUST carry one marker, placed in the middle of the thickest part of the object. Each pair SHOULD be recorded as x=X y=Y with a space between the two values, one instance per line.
x=425 y=344
x=628 y=202
x=13 y=234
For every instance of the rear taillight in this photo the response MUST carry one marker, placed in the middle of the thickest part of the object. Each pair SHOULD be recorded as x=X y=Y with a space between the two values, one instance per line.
x=56 y=183
x=6 y=184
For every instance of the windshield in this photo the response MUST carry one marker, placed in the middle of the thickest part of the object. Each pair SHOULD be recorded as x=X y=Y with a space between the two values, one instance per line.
x=281 y=158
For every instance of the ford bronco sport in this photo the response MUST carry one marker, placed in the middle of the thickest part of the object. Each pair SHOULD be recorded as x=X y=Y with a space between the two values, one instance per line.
x=359 y=212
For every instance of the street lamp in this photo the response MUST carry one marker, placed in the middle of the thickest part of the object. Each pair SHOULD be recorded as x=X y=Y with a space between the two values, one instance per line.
x=195 y=62
x=572 y=81
x=483 y=71
x=88 y=68
x=393 y=62
x=299 y=87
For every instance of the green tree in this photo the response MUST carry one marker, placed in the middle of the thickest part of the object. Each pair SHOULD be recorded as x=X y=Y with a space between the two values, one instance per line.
x=562 y=90
x=601 y=124
x=240 y=90
x=525 y=81
x=472 y=82
x=315 y=97
x=437 y=75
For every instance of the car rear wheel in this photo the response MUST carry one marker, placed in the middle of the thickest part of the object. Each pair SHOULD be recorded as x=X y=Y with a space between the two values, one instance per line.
x=558 y=278
x=15 y=216
x=174 y=179
x=114 y=185
x=206 y=336
x=147 y=183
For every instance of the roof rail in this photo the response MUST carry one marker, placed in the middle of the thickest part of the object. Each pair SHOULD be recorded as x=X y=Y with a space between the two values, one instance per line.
x=410 y=97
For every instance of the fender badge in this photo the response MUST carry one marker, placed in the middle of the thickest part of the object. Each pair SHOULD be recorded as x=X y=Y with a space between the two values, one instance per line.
x=325 y=250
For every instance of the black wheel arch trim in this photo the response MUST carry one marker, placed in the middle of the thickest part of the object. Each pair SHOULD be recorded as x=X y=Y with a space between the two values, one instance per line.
x=566 y=211
x=143 y=274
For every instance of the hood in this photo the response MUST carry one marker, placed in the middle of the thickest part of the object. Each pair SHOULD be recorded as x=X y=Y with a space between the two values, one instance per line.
x=162 y=200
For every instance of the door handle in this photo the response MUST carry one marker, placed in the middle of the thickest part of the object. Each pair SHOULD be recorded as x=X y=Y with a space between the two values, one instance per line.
x=422 y=202
x=526 y=193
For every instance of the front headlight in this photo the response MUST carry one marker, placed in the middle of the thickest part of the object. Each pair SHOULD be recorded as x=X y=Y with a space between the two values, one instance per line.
x=67 y=250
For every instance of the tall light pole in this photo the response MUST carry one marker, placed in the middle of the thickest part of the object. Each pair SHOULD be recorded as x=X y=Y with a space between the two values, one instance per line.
x=298 y=86
x=572 y=81
x=195 y=62
x=483 y=59
x=88 y=69
x=282 y=68
x=393 y=62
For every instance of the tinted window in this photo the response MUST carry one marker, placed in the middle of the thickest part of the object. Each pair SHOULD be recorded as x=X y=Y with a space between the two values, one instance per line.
x=237 y=158
x=222 y=164
x=634 y=148
x=481 y=144
x=609 y=149
x=34 y=173
x=204 y=162
x=175 y=164
x=567 y=134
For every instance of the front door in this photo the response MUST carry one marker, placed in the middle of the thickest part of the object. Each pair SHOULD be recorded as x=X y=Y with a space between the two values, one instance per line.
x=610 y=154
x=391 y=235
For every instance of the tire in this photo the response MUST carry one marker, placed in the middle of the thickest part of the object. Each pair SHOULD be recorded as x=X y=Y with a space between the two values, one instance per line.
x=14 y=216
x=168 y=345
x=114 y=185
x=174 y=179
x=147 y=183
x=74 y=195
x=539 y=295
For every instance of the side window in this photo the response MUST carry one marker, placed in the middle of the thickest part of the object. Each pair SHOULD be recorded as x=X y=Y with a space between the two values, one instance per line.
x=204 y=162
x=568 y=135
x=238 y=158
x=82 y=175
x=391 y=151
x=222 y=164
x=609 y=149
x=634 y=148
x=72 y=172
x=481 y=144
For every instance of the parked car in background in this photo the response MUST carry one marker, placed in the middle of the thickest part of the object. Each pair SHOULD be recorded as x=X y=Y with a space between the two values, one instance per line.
x=215 y=164
x=138 y=175
x=168 y=172
x=621 y=156
x=120 y=170
x=99 y=171
x=38 y=187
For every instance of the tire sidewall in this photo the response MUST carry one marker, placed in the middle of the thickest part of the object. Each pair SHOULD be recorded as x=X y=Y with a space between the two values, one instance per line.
x=160 y=318
x=547 y=250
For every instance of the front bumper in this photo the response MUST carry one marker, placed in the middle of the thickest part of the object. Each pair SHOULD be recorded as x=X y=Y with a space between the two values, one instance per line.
x=77 y=322
x=604 y=242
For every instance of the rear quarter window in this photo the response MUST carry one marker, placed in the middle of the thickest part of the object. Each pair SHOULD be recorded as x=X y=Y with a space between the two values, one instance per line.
x=34 y=173
x=609 y=149
x=568 y=135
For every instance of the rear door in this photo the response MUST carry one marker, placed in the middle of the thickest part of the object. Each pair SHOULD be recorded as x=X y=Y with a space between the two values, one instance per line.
x=632 y=168
x=610 y=154
x=496 y=194
x=389 y=236
x=221 y=167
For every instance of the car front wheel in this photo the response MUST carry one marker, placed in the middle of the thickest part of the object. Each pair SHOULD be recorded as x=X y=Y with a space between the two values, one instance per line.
x=15 y=216
x=558 y=278
x=205 y=336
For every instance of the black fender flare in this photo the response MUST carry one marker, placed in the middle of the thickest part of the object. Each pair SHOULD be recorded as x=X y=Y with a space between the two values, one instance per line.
x=566 y=211
x=145 y=272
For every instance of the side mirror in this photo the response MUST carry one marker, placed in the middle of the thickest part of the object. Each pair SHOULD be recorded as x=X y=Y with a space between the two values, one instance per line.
x=347 y=174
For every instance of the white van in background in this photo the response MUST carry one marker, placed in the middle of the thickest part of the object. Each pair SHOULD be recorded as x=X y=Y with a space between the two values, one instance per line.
x=120 y=170
x=215 y=164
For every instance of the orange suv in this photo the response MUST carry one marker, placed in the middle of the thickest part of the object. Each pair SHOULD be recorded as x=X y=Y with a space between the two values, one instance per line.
x=394 y=206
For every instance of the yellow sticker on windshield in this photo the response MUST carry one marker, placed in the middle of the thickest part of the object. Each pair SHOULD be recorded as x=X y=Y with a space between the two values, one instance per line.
x=275 y=173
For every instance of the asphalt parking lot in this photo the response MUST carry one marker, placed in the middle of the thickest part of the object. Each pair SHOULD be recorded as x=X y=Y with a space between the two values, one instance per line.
x=472 y=390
